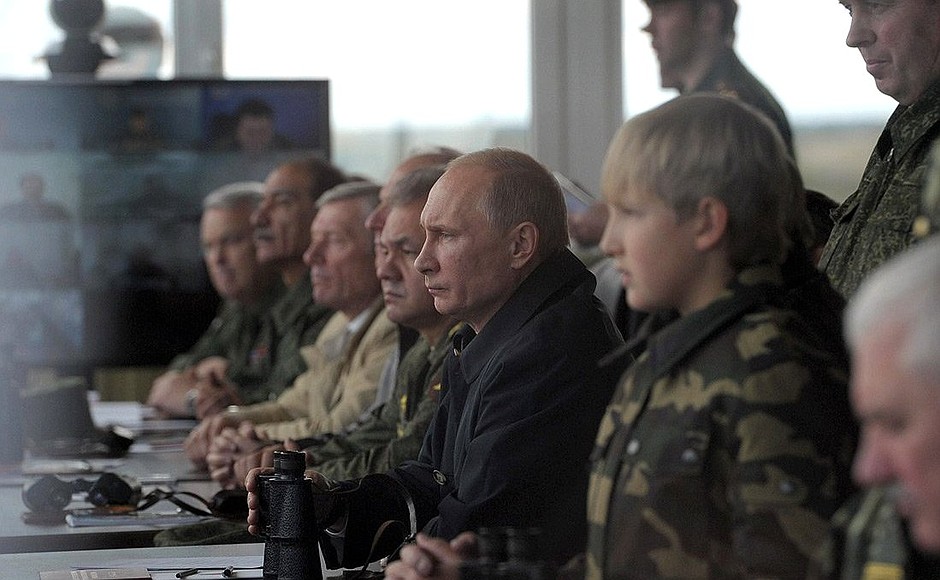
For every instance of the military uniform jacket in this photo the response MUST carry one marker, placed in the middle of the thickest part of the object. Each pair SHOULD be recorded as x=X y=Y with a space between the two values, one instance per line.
x=394 y=433
x=725 y=448
x=870 y=542
x=291 y=323
x=233 y=334
x=340 y=382
x=509 y=443
x=728 y=76
x=875 y=223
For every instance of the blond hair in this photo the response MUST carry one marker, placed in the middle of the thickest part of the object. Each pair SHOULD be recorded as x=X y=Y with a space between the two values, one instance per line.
x=709 y=145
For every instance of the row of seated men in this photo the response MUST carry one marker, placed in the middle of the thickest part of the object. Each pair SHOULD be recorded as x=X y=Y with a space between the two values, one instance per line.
x=716 y=442
x=729 y=414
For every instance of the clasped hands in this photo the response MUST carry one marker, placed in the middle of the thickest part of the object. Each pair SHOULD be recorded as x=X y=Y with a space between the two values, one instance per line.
x=236 y=451
x=201 y=390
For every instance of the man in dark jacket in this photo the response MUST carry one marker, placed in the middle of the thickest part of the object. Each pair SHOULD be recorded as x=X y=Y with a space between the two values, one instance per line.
x=510 y=440
x=694 y=44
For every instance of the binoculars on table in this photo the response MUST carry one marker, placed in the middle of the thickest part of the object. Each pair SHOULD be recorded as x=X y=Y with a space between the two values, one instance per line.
x=50 y=494
x=291 y=551
x=508 y=553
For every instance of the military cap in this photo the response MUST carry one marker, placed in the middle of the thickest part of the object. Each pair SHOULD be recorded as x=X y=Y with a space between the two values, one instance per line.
x=729 y=9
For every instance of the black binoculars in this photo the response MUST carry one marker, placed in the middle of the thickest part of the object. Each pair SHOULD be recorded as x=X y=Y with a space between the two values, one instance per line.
x=291 y=551
x=50 y=494
x=508 y=553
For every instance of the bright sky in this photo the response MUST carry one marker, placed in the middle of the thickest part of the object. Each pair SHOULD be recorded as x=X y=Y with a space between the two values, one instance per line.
x=796 y=47
x=478 y=67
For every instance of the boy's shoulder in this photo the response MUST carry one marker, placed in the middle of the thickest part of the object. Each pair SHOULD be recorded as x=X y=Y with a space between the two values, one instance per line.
x=777 y=343
x=753 y=328
x=764 y=335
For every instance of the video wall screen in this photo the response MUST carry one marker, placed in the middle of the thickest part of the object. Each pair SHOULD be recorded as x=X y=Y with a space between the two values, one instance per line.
x=101 y=185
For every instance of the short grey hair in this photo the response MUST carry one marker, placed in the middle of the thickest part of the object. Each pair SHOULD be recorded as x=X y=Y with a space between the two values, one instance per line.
x=233 y=195
x=367 y=191
x=415 y=185
x=903 y=291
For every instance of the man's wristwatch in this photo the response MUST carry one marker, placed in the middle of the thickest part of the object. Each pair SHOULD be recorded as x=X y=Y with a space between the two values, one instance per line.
x=191 y=396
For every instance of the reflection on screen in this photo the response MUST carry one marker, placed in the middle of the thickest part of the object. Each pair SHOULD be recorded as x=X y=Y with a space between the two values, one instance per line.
x=106 y=267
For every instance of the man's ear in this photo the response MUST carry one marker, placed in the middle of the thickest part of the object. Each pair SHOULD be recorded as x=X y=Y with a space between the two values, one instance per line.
x=524 y=239
x=711 y=217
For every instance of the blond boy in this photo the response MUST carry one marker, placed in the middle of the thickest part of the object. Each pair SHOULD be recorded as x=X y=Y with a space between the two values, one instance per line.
x=726 y=446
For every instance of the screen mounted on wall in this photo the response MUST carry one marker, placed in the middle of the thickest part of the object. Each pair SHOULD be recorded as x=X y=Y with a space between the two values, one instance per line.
x=101 y=185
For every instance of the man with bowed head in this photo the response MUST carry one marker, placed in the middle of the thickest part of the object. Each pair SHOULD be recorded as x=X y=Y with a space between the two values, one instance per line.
x=899 y=40
x=892 y=325
x=496 y=258
x=893 y=329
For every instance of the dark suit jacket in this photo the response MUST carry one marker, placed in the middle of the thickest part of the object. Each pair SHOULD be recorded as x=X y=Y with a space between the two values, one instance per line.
x=510 y=441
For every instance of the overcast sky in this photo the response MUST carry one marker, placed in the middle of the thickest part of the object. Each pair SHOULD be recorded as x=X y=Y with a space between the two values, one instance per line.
x=478 y=64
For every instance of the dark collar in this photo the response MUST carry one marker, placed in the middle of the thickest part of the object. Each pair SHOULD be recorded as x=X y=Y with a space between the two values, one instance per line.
x=908 y=124
x=561 y=271
x=751 y=288
x=723 y=65
x=297 y=298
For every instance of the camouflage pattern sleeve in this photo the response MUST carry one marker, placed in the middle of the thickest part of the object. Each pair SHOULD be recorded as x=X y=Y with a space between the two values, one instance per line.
x=227 y=329
x=877 y=221
x=403 y=421
x=928 y=222
x=723 y=453
x=275 y=361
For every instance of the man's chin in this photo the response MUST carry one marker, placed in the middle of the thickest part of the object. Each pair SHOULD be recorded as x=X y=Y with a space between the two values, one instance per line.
x=443 y=307
x=265 y=257
x=229 y=294
x=926 y=534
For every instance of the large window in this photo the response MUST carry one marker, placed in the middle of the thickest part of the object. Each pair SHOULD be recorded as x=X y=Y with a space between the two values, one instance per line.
x=403 y=74
x=797 y=48
x=143 y=28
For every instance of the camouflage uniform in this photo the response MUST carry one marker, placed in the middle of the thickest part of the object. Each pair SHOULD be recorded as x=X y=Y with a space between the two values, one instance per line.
x=876 y=222
x=928 y=222
x=870 y=542
x=726 y=447
x=396 y=431
x=728 y=76
x=232 y=334
x=294 y=321
x=341 y=380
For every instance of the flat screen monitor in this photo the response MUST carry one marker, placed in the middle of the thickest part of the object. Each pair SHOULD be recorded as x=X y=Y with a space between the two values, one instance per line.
x=101 y=185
